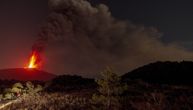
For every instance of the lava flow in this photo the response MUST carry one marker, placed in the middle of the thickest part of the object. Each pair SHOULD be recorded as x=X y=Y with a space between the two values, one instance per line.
x=34 y=61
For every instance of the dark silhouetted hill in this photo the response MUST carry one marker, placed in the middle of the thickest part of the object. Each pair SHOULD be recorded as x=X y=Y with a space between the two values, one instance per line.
x=23 y=74
x=70 y=82
x=164 y=73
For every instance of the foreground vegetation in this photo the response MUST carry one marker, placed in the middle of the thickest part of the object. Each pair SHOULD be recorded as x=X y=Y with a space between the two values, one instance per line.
x=110 y=93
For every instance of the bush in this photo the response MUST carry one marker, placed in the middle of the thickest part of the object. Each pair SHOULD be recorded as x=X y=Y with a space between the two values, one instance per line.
x=18 y=89
x=110 y=91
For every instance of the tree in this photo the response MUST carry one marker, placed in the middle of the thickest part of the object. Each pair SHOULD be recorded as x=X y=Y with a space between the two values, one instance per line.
x=38 y=88
x=31 y=89
x=110 y=90
x=1 y=97
x=8 y=96
x=18 y=85
x=13 y=92
x=17 y=88
x=29 y=85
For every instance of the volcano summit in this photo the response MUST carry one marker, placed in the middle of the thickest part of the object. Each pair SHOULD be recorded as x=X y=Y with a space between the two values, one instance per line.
x=25 y=74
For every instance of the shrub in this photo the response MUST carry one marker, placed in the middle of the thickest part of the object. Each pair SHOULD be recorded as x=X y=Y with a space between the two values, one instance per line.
x=18 y=89
x=110 y=90
x=8 y=96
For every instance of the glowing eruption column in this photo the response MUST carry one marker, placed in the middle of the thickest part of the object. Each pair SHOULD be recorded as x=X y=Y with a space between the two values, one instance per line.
x=34 y=60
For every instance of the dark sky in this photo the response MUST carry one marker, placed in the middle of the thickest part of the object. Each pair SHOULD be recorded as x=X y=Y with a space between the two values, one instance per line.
x=20 y=21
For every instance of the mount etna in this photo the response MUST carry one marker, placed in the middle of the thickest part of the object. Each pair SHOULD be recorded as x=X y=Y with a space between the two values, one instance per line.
x=25 y=74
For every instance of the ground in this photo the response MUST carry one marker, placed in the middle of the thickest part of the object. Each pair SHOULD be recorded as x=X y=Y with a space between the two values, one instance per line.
x=139 y=96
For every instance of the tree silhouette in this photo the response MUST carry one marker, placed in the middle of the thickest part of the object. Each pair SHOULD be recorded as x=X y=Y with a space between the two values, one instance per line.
x=110 y=90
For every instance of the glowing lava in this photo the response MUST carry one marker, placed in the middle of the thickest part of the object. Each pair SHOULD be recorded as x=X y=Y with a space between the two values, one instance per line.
x=34 y=61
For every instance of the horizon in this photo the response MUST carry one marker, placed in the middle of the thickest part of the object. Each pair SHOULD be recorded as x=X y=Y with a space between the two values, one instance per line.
x=124 y=35
x=96 y=55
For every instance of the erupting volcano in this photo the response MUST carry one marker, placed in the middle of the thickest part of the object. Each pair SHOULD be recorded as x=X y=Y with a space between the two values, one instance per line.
x=29 y=72
x=34 y=61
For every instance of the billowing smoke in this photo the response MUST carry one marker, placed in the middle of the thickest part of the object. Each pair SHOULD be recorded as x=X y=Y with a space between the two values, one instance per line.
x=81 y=38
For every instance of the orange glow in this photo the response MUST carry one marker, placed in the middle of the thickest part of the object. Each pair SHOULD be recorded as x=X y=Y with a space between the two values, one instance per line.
x=34 y=60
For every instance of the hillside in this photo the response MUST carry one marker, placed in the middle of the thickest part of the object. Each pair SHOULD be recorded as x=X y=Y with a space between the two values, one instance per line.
x=164 y=73
x=23 y=74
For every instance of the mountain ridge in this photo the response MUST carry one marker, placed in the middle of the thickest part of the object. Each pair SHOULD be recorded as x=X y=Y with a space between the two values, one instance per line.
x=164 y=73
x=25 y=74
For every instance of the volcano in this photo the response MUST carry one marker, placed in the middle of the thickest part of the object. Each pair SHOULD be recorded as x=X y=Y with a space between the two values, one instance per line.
x=25 y=74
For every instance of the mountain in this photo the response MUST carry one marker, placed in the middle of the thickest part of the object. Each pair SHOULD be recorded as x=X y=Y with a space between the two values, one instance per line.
x=164 y=73
x=24 y=74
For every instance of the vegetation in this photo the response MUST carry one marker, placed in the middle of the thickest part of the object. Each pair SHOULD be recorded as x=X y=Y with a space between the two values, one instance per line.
x=18 y=90
x=140 y=96
x=51 y=101
x=68 y=83
x=110 y=89
x=108 y=93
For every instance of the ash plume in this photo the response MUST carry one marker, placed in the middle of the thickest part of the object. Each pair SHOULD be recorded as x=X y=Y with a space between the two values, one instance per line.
x=81 y=38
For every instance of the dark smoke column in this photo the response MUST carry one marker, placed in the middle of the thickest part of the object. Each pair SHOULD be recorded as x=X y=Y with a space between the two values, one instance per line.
x=81 y=38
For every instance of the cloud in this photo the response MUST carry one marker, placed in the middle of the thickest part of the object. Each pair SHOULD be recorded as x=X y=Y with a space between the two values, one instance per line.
x=81 y=38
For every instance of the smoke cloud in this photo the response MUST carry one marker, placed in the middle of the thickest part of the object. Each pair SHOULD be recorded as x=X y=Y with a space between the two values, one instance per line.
x=81 y=38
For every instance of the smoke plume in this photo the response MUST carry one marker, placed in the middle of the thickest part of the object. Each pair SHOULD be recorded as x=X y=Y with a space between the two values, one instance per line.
x=81 y=38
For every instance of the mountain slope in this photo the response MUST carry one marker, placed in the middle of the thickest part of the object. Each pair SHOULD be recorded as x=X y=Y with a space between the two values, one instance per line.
x=24 y=74
x=164 y=72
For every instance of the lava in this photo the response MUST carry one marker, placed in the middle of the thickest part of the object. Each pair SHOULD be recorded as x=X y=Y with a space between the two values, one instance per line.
x=34 y=61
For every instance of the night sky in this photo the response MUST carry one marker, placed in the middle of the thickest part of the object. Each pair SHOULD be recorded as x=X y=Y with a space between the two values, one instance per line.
x=20 y=22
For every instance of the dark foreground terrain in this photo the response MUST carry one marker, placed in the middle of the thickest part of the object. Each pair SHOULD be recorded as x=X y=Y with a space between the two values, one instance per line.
x=76 y=93
x=139 y=96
